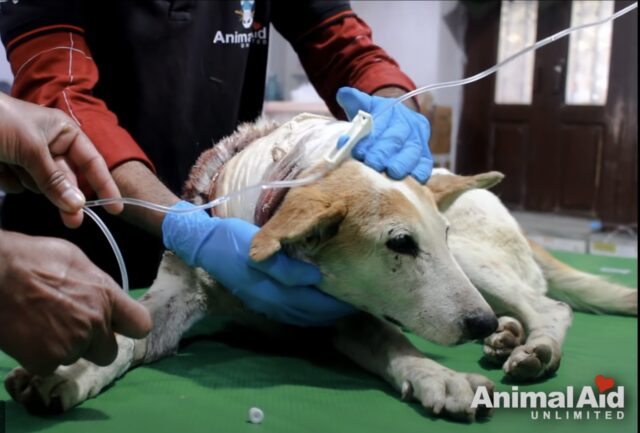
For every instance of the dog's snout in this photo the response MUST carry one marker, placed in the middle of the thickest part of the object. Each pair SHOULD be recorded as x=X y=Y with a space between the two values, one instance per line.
x=479 y=325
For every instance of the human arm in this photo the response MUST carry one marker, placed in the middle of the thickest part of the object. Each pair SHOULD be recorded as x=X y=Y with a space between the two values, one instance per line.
x=53 y=66
x=337 y=51
x=56 y=306
x=65 y=72
x=40 y=148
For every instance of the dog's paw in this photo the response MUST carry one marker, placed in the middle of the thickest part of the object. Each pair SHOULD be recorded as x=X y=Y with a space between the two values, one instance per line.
x=69 y=385
x=445 y=392
x=499 y=345
x=536 y=359
x=48 y=395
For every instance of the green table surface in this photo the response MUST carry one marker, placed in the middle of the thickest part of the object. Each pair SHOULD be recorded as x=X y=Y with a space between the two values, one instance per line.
x=212 y=382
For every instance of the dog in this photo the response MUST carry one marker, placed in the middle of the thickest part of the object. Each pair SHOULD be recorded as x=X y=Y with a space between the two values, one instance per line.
x=446 y=261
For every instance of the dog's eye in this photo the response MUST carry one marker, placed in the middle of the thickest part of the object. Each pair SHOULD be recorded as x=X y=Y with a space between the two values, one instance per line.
x=403 y=244
x=446 y=234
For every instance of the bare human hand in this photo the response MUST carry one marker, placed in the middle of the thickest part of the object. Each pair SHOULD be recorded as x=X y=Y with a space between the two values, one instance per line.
x=39 y=150
x=56 y=306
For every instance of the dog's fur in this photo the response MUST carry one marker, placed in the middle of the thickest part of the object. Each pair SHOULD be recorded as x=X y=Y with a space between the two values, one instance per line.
x=382 y=246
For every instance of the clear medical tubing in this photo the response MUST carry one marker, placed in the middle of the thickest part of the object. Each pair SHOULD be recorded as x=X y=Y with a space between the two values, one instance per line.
x=217 y=202
x=541 y=43
x=114 y=246
x=319 y=174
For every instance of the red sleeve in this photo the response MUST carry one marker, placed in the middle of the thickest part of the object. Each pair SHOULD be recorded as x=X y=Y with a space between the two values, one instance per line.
x=340 y=52
x=56 y=70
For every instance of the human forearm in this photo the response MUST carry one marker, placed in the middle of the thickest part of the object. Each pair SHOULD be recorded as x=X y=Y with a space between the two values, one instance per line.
x=46 y=74
x=134 y=179
x=355 y=60
x=396 y=92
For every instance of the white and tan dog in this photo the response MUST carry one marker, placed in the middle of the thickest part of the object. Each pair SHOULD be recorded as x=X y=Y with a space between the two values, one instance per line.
x=438 y=260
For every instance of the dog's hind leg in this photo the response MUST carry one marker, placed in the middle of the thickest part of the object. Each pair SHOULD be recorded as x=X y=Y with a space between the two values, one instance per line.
x=176 y=300
x=382 y=349
x=584 y=291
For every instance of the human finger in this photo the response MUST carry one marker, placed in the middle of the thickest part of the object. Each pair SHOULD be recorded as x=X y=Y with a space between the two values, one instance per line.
x=76 y=147
x=129 y=317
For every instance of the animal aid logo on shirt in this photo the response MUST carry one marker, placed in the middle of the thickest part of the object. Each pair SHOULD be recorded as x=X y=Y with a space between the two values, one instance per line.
x=587 y=404
x=252 y=31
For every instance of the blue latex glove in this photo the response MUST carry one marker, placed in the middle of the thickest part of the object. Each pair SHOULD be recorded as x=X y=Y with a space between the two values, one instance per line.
x=399 y=140
x=279 y=287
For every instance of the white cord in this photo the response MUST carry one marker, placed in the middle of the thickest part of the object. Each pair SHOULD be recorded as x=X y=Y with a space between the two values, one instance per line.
x=114 y=246
x=541 y=43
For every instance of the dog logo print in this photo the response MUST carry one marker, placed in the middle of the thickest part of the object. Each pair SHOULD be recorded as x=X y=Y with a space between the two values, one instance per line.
x=246 y=14
x=254 y=32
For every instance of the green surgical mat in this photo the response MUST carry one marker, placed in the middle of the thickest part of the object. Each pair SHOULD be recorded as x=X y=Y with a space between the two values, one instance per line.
x=212 y=382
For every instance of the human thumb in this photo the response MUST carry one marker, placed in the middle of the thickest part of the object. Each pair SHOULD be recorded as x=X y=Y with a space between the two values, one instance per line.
x=351 y=100
x=55 y=181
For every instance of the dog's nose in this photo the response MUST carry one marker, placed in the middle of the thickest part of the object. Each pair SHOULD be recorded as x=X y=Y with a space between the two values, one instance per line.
x=479 y=325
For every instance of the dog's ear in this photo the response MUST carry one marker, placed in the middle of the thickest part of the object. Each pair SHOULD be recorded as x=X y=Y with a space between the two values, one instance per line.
x=306 y=217
x=448 y=187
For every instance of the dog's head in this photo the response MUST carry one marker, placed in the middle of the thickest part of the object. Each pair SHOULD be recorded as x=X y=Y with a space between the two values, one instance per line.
x=382 y=246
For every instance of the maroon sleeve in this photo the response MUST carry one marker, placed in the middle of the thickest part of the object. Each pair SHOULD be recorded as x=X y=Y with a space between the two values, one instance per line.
x=53 y=67
x=339 y=52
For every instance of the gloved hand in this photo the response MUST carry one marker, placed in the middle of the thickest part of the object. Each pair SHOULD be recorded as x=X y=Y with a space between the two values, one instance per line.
x=279 y=287
x=399 y=140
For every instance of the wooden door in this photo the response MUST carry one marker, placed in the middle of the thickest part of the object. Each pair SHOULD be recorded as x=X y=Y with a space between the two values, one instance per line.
x=567 y=158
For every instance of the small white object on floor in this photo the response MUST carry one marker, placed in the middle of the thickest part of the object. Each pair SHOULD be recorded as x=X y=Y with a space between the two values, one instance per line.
x=256 y=415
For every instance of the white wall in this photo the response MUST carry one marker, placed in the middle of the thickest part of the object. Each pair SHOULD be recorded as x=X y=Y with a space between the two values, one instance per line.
x=5 y=70
x=414 y=33
x=5 y=75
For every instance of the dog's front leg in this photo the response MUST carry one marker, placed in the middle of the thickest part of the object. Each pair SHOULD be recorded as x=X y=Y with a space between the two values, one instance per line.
x=71 y=384
x=176 y=300
x=382 y=349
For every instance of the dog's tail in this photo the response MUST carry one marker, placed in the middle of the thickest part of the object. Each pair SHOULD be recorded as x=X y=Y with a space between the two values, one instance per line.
x=583 y=291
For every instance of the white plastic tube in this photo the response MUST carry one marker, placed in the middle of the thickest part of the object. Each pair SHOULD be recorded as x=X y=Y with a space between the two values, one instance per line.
x=114 y=246
x=213 y=203
x=541 y=43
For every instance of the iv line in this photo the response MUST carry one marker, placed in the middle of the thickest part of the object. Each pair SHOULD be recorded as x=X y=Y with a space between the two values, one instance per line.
x=541 y=43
